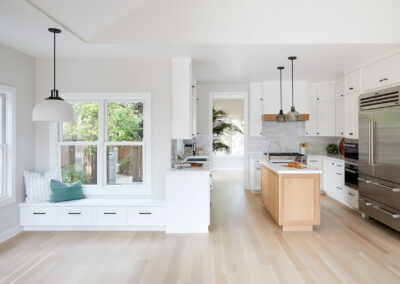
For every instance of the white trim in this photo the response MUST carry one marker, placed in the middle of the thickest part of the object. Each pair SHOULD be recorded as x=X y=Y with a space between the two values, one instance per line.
x=94 y=228
x=12 y=232
x=10 y=153
x=245 y=96
x=102 y=189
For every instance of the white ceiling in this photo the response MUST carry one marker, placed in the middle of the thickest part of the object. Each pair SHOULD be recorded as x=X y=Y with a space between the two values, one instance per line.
x=24 y=27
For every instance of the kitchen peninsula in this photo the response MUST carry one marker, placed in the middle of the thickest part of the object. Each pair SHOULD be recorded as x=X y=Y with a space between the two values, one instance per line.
x=291 y=195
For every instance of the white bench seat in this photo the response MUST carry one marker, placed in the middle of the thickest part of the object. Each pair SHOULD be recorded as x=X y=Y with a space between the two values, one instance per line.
x=94 y=215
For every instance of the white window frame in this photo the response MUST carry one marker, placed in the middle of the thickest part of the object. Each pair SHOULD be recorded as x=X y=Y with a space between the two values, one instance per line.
x=7 y=191
x=102 y=188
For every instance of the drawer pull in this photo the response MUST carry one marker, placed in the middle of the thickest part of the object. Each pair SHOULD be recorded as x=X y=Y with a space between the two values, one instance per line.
x=145 y=213
x=364 y=180
x=365 y=202
x=74 y=213
x=109 y=213
x=352 y=194
x=351 y=88
x=339 y=174
x=339 y=188
x=384 y=79
x=394 y=216
x=39 y=213
x=387 y=187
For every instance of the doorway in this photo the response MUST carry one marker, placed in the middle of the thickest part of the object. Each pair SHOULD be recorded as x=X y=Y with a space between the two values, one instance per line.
x=228 y=132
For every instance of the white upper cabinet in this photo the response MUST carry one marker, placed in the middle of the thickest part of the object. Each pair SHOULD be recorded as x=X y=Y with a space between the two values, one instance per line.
x=339 y=118
x=339 y=90
x=325 y=92
x=255 y=109
x=352 y=81
x=271 y=95
x=351 y=115
x=326 y=118
x=383 y=73
x=182 y=119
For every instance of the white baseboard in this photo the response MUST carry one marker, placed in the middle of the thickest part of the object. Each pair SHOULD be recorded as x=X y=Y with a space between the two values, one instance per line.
x=94 y=228
x=4 y=236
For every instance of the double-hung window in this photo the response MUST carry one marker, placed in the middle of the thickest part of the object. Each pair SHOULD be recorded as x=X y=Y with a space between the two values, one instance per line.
x=107 y=146
x=7 y=145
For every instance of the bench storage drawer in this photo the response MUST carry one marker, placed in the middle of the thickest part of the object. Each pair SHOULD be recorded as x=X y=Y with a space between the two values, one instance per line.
x=38 y=216
x=146 y=216
x=75 y=216
x=111 y=216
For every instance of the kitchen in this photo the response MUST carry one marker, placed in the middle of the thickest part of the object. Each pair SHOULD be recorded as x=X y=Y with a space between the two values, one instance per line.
x=328 y=115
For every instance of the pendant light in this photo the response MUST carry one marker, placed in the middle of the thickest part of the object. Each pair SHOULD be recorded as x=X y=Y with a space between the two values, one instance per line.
x=281 y=117
x=54 y=108
x=293 y=115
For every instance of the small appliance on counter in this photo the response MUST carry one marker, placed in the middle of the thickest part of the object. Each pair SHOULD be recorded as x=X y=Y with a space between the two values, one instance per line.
x=303 y=148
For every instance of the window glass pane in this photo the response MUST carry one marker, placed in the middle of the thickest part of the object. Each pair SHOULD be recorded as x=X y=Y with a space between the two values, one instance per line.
x=124 y=121
x=124 y=164
x=2 y=163
x=2 y=119
x=79 y=162
x=85 y=126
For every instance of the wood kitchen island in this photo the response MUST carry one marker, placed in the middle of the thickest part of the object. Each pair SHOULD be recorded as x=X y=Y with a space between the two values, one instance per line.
x=291 y=196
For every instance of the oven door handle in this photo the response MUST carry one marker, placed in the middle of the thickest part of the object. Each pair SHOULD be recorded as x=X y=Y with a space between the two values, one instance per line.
x=350 y=171
x=350 y=145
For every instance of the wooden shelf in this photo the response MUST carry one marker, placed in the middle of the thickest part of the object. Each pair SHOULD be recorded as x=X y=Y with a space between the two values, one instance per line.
x=271 y=117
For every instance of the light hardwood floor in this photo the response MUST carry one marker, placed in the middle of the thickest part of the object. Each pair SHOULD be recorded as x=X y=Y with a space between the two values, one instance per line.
x=245 y=246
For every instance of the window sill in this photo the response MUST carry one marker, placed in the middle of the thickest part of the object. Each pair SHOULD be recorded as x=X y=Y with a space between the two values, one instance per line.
x=6 y=200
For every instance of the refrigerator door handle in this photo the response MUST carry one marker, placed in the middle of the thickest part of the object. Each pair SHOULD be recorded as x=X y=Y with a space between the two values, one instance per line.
x=372 y=143
x=369 y=142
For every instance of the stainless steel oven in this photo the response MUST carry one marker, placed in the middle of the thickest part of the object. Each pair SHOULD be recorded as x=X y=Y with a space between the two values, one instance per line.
x=351 y=175
x=351 y=151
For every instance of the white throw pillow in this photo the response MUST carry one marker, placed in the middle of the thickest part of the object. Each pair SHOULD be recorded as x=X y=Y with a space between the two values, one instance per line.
x=37 y=186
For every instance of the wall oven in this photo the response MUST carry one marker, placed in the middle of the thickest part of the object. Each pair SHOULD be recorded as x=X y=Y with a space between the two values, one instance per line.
x=351 y=175
x=351 y=151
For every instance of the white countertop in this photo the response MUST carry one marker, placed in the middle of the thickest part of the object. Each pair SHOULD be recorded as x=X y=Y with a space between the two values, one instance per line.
x=206 y=168
x=280 y=169
x=328 y=156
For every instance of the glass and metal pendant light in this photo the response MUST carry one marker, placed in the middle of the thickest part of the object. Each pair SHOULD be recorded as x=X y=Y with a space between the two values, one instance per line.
x=53 y=108
x=293 y=115
x=280 y=117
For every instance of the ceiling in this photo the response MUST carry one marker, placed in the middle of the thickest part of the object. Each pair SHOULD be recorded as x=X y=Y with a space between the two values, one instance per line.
x=228 y=45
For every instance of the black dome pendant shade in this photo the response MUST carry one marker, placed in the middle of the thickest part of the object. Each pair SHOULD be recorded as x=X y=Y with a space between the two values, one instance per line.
x=293 y=115
x=281 y=117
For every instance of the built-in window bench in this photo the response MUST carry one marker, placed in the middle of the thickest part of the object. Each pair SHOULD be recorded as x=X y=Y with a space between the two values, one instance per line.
x=94 y=215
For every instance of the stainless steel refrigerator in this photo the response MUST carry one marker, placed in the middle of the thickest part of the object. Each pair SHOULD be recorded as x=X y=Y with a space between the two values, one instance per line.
x=379 y=156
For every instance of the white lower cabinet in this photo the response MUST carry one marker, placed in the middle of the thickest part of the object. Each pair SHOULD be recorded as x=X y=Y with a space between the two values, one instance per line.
x=334 y=186
x=89 y=214
x=316 y=163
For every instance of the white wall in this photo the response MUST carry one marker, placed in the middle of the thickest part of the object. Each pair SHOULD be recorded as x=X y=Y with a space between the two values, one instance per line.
x=18 y=70
x=113 y=75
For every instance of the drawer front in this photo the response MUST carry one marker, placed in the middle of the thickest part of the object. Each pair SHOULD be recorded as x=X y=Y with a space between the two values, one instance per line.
x=146 y=216
x=386 y=215
x=75 y=216
x=38 y=216
x=351 y=197
x=111 y=216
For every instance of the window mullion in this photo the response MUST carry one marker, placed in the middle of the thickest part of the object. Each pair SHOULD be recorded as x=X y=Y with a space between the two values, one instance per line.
x=100 y=151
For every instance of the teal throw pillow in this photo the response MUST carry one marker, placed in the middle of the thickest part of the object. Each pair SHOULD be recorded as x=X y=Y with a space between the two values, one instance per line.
x=64 y=192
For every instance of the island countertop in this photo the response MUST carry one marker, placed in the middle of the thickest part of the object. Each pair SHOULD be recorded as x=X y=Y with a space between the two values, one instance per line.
x=280 y=169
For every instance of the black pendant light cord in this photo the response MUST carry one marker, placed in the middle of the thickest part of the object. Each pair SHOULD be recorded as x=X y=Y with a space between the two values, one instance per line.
x=292 y=86
x=54 y=61
x=54 y=92
x=280 y=79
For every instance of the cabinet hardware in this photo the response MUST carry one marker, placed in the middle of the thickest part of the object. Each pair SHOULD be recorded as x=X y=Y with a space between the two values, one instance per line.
x=350 y=171
x=144 y=213
x=351 y=88
x=364 y=180
x=317 y=99
x=109 y=213
x=261 y=99
x=365 y=202
x=306 y=132
x=318 y=133
x=339 y=174
x=339 y=188
x=387 y=187
x=349 y=193
x=351 y=133
x=260 y=133
x=341 y=95
x=384 y=79
x=341 y=133
x=39 y=213
x=394 y=216
x=74 y=213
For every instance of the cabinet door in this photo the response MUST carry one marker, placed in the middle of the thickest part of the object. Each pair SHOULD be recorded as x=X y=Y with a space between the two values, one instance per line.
x=326 y=118
x=255 y=110
x=328 y=177
x=271 y=97
x=339 y=117
x=383 y=73
x=311 y=124
x=348 y=117
x=352 y=81
x=339 y=91
x=354 y=105
x=326 y=92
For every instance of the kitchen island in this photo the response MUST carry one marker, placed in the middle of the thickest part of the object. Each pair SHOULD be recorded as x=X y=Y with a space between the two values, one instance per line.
x=291 y=196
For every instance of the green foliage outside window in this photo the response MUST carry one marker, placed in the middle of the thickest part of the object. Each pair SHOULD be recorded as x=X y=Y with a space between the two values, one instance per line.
x=125 y=121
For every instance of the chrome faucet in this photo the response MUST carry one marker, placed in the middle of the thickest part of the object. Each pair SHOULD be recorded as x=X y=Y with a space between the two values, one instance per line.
x=269 y=144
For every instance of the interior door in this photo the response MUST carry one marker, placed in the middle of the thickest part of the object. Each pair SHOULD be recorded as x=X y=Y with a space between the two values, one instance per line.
x=364 y=167
x=386 y=156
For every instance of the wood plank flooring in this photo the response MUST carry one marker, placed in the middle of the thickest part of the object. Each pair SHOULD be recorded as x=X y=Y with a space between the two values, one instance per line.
x=245 y=246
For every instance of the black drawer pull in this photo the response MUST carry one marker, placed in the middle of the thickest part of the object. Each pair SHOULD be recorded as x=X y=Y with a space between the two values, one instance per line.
x=39 y=213
x=351 y=133
x=109 y=213
x=351 y=88
x=74 y=213
x=384 y=79
x=338 y=174
x=145 y=213
x=339 y=188
x=352 y=194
